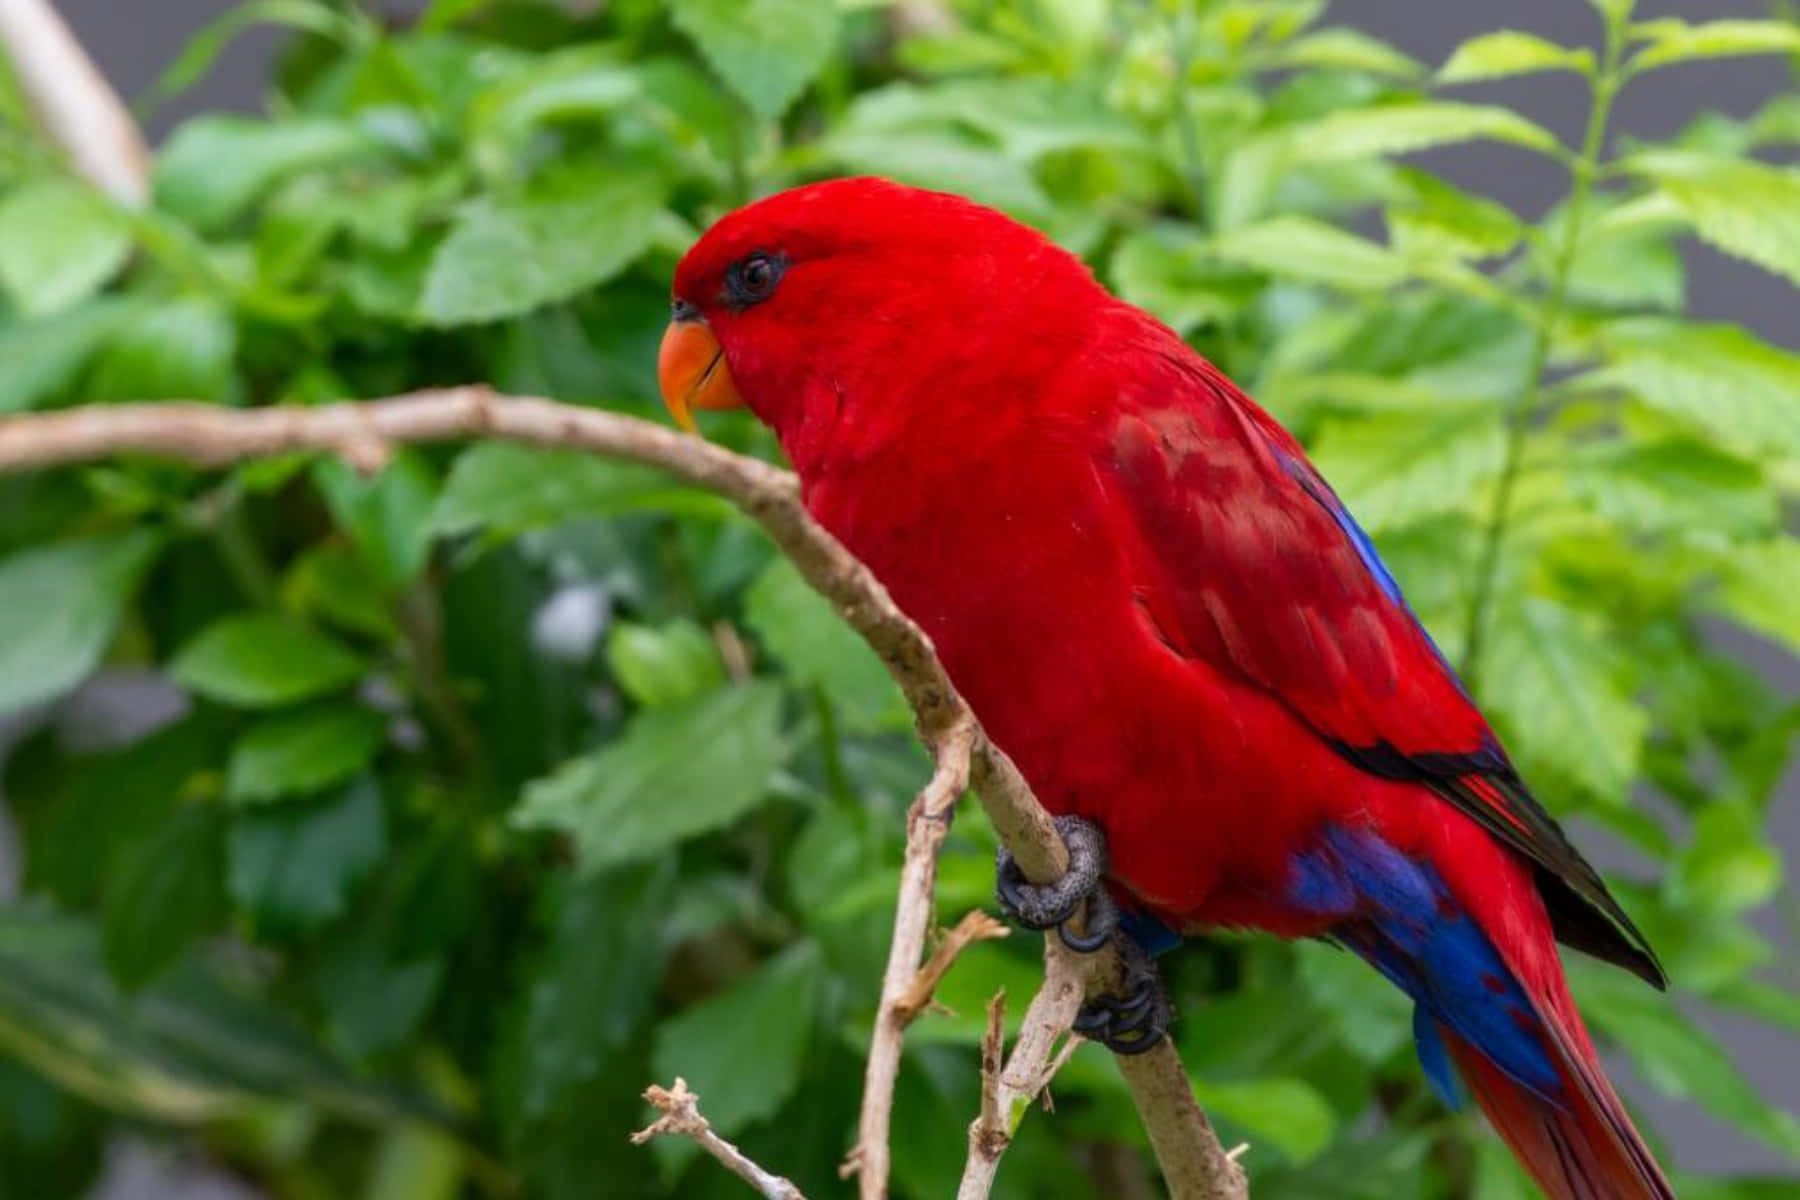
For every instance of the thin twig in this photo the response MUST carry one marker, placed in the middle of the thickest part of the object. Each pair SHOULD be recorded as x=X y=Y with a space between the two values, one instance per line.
x=78 y=109
x=681 y=1117
x=975 y=926
x=207 y=435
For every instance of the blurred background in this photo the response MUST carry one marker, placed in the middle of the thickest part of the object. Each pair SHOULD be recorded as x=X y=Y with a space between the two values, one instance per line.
x=385 y=837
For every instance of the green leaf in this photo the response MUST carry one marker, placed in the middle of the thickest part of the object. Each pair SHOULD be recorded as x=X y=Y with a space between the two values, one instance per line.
x=388 y=516
x=1678 y=1058
x=303 y=751
x=508 y=255
x=1563 y=696
x=1679 y=486
x=1302 y=248
x=1672 y=40
x=799 y=627
x=744 y=1048
x=334 y=584
x=1759 y=590
x=1404 y=128
x=1345 y=49
x=1398 y=468
x=1717 y=379
x=767 y=50
x=675 y=773
x=215 y=167
x=1508 y=52
x=1729 y=865
x=294 y=865
x=204 y=48
x=1287 y=1114
x=1746 y=209
x=180 y=349
x=189 y=1048
x=594 y=985
x=664 y=665
x=59 y=243
x=43 y=356
x=171 y=892
x=263 y=661
x=507 y=489
x=1165 y=269
x=1438 y=218
x=63 y=601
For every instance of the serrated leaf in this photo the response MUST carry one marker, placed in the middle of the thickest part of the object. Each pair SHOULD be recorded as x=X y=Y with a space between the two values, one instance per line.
x=43 y=356
x=1347 y=49
x=213 y=168
x=675 y=773
x=767 y=50
x=179 y=349
x=1678 y=1058
x=63 y=601
x=388 y=516
x=59 y=243
x=1760 y=592
x=1672 y=40
x=1439 y=218
x=667 y=664
x=1728 y=864
x=263 y=661
x=595 y=983
x=1678 y=486
x=1166 y=270
x=1560 y=691
x=1287 y=1114
x=744 y=1048
x=1715 y=378
x=507 y=489
x=1746 y=209
x=294 y=865
x=169 y=893
x=1302 y=248
x=1396 y=468
x=800 y=628
x=189 y=1048
x=1404 y=128
x=508 y=255
x=1508 y=52
x=304 y=751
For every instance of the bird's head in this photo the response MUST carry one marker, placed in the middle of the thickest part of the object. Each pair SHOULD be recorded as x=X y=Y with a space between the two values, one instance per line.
x=814 y=300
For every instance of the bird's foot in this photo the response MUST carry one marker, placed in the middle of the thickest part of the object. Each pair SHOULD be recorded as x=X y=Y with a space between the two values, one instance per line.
x=1055 y=905
x=1135 y=1018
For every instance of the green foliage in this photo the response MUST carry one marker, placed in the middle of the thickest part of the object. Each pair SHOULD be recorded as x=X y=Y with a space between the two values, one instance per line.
x=506 y=781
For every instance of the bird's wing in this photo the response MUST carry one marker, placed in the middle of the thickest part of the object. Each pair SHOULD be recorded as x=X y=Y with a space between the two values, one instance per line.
x=1248 y=561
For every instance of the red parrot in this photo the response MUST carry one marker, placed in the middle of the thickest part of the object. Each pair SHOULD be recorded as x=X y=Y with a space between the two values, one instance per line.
x=1157 y=606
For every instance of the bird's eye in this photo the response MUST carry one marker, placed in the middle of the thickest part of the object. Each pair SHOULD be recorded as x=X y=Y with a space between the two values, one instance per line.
x=752 y=279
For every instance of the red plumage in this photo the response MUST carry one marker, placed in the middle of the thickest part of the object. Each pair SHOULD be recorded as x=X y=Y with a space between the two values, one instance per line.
x=1159 y=609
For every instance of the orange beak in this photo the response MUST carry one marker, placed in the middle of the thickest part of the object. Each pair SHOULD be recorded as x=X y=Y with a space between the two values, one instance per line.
x=690 y=369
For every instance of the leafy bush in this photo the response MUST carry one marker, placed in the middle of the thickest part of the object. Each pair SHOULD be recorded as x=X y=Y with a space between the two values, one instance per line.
x=492 y=788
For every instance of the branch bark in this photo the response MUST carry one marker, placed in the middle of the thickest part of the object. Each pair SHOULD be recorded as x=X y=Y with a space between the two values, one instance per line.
x=71 y=99
x=681 y=1117
x=1193 y=1163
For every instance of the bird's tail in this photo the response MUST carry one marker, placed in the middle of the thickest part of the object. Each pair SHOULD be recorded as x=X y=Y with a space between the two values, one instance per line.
x=1579 y=1143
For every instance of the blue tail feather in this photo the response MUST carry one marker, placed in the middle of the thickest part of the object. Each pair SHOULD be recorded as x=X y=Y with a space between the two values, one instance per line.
x=1397 y=913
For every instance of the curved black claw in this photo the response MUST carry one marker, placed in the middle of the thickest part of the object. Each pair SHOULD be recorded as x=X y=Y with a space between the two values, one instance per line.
x=1052 y=905
x=1135 y=1018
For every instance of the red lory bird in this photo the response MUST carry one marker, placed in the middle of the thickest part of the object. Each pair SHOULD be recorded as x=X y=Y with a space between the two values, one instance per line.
x=1158 y=607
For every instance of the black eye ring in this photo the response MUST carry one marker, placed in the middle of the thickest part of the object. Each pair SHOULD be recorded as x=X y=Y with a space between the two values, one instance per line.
x=752 y=279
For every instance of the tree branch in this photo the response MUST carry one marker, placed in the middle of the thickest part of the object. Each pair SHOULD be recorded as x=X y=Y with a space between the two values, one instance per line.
x=1193 y=1163
x=78 y=109
x=681 y=1117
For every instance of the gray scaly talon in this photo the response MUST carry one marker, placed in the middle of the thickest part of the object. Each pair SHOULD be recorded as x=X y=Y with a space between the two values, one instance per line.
x=1046 y=906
